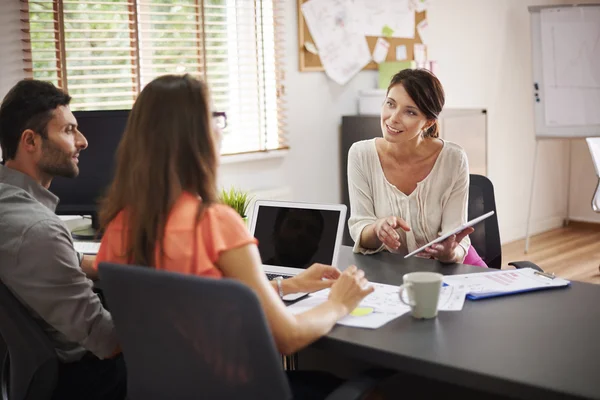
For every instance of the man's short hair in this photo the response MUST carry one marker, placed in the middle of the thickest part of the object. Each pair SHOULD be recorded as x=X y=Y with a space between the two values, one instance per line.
x=30 y=104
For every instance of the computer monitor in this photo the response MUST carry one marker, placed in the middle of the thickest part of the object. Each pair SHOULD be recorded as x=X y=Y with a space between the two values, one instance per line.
x=80 y=196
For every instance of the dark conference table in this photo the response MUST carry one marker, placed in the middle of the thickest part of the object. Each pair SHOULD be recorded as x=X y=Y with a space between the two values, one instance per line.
x=542 y=345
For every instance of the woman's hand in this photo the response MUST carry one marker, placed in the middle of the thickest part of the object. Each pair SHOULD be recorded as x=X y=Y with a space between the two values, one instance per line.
x=350 y=288
x=445 y=251
x=385 y=230
x=87 y=266
x=316 y=277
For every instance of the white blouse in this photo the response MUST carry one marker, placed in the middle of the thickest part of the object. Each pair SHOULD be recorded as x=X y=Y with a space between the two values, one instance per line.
x=437 y=205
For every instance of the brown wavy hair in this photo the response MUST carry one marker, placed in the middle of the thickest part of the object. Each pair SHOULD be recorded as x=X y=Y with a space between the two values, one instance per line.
x=425 y=89
x=168 y=147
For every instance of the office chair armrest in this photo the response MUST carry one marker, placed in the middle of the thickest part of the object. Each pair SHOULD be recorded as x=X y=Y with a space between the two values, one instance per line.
x=525 y=264
x=361 y=385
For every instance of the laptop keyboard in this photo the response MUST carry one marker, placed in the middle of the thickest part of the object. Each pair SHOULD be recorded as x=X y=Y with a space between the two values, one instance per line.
x=273 y=276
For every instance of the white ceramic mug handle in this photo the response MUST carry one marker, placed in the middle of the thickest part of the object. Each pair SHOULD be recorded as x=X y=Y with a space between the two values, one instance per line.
x=403 y=287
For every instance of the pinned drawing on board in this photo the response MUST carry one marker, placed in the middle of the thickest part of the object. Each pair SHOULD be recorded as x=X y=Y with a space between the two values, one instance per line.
x=336 y=30
x=434 y=67
x=419 y=5
x=311 y=48
x=423 y=31
x=420 y=53
x=396 y=15
x=380 y=52
x=401 y=53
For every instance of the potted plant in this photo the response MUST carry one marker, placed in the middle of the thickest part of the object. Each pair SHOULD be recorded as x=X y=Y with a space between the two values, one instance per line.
x=237 y=199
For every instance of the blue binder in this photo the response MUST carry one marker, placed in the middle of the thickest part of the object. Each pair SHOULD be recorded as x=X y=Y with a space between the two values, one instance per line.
x=522 y=280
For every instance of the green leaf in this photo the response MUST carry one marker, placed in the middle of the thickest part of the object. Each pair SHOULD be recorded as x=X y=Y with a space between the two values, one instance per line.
x=237 y=199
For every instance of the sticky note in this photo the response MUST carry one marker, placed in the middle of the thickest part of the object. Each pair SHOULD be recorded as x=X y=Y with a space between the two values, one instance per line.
x=401 y=52
x=311 y=48
x=387 y=31
x=361 y=311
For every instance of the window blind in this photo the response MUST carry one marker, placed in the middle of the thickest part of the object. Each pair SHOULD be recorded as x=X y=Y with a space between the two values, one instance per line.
x=104 y=52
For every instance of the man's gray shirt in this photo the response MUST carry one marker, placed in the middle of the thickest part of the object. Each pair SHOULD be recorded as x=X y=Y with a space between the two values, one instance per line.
x=40 y=267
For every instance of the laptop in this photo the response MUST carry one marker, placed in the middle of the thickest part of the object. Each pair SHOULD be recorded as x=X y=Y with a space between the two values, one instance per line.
x=294 y=235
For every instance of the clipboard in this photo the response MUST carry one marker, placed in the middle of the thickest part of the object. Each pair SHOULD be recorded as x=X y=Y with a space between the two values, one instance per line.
x=452 y=232
x=483 y=285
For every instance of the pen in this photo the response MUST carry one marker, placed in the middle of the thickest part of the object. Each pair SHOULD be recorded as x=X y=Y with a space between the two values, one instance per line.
x=547 y=275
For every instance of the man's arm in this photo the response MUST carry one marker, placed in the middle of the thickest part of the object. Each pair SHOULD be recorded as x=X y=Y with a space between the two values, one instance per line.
x=49 y=280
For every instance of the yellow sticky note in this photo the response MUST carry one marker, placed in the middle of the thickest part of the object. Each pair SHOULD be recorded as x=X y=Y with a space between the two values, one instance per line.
x=387 y=31
x=361 y=311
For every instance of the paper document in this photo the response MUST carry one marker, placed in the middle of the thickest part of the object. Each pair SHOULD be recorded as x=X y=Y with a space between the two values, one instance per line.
x=452 y=298
x=87 y=247
x=395 y=16
x=336 y=30
x=401 y=53
x=498 y=283
x=420 y=5
x=381 y=306
x=381 y=50
x=423 y=30
x=377 y=309
x=420 y=53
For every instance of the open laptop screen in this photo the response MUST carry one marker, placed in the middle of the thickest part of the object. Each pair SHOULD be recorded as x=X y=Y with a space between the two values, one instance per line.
x=296 y=237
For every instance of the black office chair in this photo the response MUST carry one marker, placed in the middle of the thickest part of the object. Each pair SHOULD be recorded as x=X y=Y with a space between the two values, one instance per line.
x=29 y=369
x=186 y=337
x=486 y=238
x=3 y=359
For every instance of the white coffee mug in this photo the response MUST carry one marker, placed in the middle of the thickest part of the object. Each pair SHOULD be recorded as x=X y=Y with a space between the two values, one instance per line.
x=423 y=290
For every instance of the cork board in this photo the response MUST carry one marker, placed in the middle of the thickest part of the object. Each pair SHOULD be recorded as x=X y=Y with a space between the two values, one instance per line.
x=311 y=62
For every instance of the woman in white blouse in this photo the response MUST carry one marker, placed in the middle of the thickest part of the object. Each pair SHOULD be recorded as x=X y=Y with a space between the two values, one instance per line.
x=409 y=186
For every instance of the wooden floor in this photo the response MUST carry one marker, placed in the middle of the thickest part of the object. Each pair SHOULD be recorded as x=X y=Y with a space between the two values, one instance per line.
x=572 y=252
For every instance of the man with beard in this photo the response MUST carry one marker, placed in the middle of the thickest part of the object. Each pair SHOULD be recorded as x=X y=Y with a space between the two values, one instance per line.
x=40 y=140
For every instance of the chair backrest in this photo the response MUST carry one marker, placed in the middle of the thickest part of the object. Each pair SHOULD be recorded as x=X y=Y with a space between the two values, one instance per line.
x=188 y=337
x=30 y=367
x=486 y=238
x=594 y=146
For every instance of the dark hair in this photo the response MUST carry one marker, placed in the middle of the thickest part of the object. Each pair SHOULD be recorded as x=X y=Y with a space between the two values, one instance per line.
x=426 y=91
x=30 y=104
x=168 y=147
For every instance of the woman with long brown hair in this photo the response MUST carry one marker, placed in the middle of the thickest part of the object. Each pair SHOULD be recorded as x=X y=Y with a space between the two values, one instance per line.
x=161 y=211
x=409 y=185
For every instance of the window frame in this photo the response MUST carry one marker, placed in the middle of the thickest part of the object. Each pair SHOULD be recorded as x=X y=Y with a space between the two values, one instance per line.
x=271 y=137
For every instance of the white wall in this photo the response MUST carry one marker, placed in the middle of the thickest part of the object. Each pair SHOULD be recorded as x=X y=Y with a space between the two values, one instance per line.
x=483 y=49
x=315 y=105
x=11 y=64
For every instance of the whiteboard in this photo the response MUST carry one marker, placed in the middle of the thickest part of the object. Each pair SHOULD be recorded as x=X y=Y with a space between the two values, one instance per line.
x=565 y=45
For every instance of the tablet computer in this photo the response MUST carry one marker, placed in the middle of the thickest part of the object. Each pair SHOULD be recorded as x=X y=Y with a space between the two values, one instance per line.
x=450 y=233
